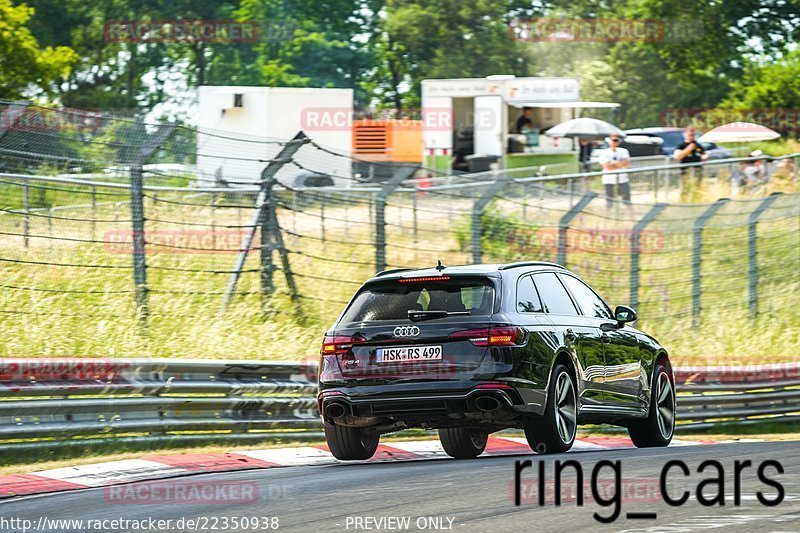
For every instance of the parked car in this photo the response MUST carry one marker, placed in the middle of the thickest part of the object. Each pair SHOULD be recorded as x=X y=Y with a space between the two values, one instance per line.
x=672 y=137
x=471 y=350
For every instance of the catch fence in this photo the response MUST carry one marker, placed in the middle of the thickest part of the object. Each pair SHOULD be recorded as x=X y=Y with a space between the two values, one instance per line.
x=194 y=236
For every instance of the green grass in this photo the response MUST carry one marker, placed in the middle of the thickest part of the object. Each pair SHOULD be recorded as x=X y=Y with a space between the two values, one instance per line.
x=185 y=319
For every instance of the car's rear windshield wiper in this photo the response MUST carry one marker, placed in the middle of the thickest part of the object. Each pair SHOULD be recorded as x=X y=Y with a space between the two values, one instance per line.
x=416 y=316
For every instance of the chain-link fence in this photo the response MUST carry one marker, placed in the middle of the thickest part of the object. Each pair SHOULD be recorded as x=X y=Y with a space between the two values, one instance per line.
x=118 y=237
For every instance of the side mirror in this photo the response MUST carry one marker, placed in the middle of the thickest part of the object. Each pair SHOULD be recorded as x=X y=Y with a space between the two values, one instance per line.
x=623 y=314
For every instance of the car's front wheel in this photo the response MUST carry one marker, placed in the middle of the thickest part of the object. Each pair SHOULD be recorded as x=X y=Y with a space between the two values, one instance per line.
x=658 y=427
x=351 y=444
x=463 y=443
x=555 y=431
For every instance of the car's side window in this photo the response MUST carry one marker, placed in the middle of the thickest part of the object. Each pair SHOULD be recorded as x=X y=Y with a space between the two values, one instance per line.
x=527 y=297
x=589 y=302
x=553 y=294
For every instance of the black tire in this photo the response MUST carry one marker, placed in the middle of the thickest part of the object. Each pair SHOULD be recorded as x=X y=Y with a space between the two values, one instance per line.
x=555 y=431
x=351 y=444
x=657 y=429
x=463 y=443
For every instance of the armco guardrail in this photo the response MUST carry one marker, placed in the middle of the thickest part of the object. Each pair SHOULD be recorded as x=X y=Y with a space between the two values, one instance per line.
x=709 y=396
x=42 y=400
x=55 y=402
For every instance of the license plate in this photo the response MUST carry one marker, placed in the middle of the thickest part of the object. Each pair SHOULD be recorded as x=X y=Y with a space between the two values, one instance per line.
x=409 y=354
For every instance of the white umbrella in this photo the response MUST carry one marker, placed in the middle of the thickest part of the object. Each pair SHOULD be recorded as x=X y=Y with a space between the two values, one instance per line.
x=739 y=132
x=584 y=127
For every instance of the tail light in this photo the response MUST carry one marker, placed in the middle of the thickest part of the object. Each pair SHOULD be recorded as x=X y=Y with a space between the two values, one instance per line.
x=338 y=344
x=492 y=336
x=332 y=347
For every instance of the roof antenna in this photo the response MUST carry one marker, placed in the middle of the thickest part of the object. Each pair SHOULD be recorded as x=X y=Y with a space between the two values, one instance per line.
x=439 y=266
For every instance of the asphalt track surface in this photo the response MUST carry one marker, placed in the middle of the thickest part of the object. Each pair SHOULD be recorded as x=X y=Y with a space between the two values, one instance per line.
x=477 y=495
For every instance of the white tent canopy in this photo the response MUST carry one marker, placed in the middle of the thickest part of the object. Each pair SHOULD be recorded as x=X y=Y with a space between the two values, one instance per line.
x=577 y=105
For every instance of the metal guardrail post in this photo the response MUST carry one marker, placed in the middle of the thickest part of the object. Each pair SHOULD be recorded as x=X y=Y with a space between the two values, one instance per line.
x=388 y=188
x=477 y=215
x=563 y=225
x=636 y=250
x=261 y=219
x=697 y=254
x=752 y=251
x=137 y=216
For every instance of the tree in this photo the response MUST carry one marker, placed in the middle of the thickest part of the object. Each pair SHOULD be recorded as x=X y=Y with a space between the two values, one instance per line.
x=769 y=85
x=448 y=39
x=23 y=65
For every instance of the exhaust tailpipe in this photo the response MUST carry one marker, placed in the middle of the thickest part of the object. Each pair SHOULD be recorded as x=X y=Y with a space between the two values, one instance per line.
x=487 y=403
x=335 y=409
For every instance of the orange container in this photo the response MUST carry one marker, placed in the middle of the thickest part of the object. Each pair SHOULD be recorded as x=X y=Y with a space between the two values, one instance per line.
x=389 y=140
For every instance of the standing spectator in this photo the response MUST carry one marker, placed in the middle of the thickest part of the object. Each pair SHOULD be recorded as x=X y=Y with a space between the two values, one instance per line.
x=525 y=122
x=690 y=150
x=613 y=159
x=585 y=154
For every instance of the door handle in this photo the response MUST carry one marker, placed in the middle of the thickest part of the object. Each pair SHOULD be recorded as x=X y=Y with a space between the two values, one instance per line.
x=570 y=335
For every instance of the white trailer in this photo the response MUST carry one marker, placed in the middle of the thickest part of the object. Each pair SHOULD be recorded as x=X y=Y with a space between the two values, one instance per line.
x=488 y=108
x=234 y=122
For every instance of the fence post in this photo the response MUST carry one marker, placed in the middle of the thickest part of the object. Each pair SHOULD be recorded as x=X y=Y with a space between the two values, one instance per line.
x=261 y=220
x=93 y=199
x=388 y=188
x=697 y=254
x=26 y=206
x=269 y=218
x=137 y=216
x=414 y=211
x=636 y=250
x=752 y=251
x=322 y=215
x=563 y=225
x=477 y=215
x=139 y=261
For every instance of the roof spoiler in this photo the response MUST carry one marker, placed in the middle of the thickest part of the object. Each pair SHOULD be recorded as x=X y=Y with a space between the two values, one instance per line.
x=392 y=271
x=530 y=263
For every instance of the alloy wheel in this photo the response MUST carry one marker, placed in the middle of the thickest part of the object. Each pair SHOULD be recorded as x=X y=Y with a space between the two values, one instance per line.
x=665 y=406
x=566 y=408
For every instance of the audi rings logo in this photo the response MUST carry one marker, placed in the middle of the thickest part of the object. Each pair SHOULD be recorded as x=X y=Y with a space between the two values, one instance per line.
x=406 y=331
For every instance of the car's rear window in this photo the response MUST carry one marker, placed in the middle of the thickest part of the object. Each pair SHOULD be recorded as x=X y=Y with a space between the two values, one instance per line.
x=392 y=300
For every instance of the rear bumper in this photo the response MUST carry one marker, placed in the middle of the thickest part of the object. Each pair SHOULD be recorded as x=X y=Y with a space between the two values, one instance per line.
x=420 y=404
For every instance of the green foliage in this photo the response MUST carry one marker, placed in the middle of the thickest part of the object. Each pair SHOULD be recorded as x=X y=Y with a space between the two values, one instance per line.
x=768 y=85
x=505 y=237
x=23 y=64
x=447 y=39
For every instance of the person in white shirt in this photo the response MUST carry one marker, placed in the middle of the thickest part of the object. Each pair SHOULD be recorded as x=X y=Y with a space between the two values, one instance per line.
x=613 y=159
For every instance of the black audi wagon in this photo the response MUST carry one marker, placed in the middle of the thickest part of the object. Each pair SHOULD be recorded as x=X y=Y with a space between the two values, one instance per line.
x=470 y=350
